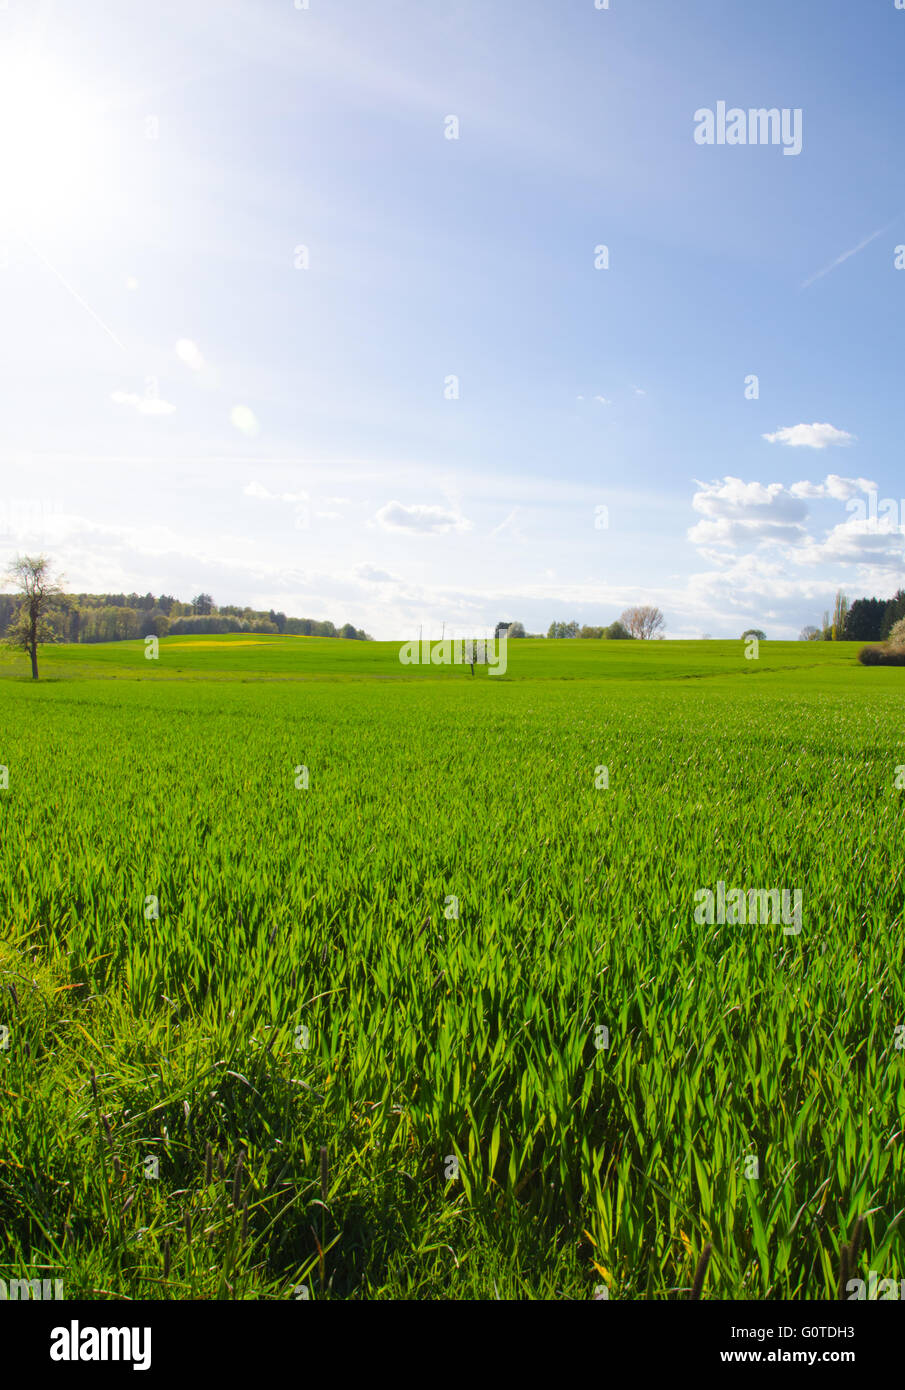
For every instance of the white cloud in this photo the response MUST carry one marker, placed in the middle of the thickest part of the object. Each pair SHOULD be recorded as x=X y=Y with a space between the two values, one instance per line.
x=753 y=588
x=254 y=489
x=371 y=575
x=875 y=542
x=840 y=489
x=810 y=436
x=768 y=521
x=145 y=405
x=724 y=532
x=420 y=519
x=844 y=488
x=752 y=504
x=190 y=353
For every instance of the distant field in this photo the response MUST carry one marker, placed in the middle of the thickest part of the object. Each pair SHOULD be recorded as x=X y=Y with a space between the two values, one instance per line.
x=314 y=658
x=463 y=960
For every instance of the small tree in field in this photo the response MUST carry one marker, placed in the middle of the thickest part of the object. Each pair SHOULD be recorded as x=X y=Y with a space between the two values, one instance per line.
x=643 y=622
x=39 y=592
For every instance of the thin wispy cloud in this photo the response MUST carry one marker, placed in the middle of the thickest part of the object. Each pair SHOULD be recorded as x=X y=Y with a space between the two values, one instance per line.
x=145 y=405
x=75 y=294
x=420 y=519
x=506 y=523
x=847 y=255
x=264 y=494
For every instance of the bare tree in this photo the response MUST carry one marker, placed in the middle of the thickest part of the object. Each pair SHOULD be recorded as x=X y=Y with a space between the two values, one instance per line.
x=39 y=592
x=643 y=621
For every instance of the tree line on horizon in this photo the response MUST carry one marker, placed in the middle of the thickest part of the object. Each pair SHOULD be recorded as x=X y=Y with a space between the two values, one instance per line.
x=127 y=617
x=640 y=623
x=864 y=620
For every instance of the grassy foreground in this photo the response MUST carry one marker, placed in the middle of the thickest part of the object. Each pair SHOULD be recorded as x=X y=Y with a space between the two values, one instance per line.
x=442 y=1022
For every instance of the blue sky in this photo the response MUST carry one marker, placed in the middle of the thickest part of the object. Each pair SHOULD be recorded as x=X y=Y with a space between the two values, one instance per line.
x=187 y=406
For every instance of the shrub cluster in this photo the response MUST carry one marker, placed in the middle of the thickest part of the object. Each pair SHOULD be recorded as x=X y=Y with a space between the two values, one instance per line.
x=887 y=655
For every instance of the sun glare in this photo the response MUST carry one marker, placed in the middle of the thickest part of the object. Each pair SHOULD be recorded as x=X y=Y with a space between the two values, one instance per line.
x=51 y=141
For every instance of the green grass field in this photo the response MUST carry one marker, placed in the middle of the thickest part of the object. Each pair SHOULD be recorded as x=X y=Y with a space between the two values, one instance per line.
x=442 y=1024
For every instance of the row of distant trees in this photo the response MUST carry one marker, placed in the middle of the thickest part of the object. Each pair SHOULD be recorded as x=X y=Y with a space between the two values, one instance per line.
x=124 y=617
x=641 y=622
x=40 y=611
x=864 y=620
